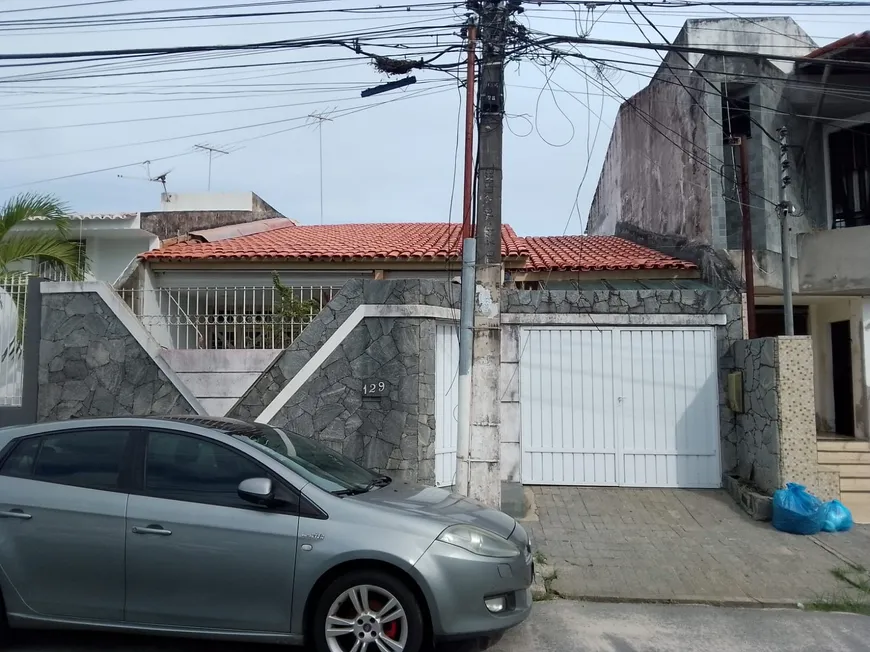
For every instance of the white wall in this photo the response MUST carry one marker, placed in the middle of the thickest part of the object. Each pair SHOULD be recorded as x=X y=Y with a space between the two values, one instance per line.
x=110 y=256
x=207 y=201
x=822 y=314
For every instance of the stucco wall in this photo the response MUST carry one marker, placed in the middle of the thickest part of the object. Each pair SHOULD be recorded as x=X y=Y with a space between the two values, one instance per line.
x=636 y=302
x=648 y=181
x=777 y=430
x=847 y=271
x=90 y=364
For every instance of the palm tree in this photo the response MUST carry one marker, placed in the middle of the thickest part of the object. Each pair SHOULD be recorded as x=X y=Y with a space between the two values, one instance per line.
x=49 y=245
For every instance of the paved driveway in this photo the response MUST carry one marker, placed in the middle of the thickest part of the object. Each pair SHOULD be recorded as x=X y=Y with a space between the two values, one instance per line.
x=681 y=545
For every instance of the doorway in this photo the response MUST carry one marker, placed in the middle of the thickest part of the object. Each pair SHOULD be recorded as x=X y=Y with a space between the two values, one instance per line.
x=841 y=362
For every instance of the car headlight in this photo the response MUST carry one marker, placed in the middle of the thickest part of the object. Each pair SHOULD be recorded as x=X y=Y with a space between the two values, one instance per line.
x=479 y=542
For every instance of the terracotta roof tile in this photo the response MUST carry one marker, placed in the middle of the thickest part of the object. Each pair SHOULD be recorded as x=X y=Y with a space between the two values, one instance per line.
x=342 y=242
x=417 y=242
x=595 y=253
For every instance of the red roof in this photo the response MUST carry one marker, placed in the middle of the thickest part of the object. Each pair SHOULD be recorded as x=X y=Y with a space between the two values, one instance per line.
x=861 y=40
x=342 y=242
x=417 y=242
x=573 y=253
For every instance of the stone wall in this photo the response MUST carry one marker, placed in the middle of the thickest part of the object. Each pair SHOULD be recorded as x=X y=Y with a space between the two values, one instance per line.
x=777 y=429
x=91 y=365
x=602 y=303
x=758 y=445
x=394 y=432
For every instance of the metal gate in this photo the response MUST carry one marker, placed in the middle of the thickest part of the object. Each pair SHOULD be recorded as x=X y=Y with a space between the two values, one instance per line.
x=446 y=402
x=620 y=407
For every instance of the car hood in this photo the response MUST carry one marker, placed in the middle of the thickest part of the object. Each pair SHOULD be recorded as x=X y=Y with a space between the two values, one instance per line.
x=439 y=505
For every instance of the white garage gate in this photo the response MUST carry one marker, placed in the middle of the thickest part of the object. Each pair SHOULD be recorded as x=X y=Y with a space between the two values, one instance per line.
x=633 y=406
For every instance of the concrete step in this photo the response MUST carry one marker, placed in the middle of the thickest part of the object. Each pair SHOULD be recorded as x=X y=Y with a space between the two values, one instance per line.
x=858 y=503
x=848 y=470
x=854 y=484
x=839 y=445
x=843 y=457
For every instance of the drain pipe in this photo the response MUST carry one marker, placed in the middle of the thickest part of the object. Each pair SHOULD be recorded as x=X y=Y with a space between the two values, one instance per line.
x=466 y=334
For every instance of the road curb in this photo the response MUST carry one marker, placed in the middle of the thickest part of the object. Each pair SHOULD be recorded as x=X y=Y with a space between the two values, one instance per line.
x=736 y=602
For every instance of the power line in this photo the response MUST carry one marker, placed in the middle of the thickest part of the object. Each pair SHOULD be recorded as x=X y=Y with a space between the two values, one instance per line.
x=347 y=112
x=549 y=39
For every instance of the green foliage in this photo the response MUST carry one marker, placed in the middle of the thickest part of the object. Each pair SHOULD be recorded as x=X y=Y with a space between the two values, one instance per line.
x=292 y=314
x=49 y=245
x=288 y=306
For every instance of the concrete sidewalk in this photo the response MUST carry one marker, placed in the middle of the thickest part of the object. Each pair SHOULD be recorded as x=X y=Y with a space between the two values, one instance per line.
x=682 y=546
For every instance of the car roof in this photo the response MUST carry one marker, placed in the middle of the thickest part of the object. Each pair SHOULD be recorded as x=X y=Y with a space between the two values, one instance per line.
x=221 y=424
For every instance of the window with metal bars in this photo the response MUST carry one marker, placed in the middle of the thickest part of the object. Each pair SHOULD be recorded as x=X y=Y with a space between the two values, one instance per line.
x=849 y=152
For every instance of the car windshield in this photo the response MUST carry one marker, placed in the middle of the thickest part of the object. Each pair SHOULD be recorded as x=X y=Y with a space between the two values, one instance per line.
x=315 y=462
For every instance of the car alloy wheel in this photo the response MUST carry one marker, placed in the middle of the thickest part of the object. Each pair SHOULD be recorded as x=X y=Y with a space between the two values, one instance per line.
x=364 y=618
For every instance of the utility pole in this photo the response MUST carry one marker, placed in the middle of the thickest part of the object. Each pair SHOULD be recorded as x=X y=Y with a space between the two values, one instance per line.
x=320 y=120
x=748 y=271
x=466 y=301
x=485 y=434
x=784 y=210
x=211 y=152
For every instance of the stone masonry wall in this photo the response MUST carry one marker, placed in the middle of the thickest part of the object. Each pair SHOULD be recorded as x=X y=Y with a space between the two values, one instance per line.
x=90 y=365
x=777 y=430
x=758 y=445
x=394 y=432
x=683 y=302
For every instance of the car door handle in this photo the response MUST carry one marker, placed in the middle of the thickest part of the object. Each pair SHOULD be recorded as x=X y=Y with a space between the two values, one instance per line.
x=16 y=513
x=152 y=529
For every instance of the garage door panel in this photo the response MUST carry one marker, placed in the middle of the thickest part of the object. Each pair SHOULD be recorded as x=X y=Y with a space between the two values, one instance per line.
x=569 y=468
x=632 y=406
x=568 y=427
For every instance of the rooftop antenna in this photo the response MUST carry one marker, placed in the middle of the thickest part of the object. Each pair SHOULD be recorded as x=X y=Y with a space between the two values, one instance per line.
x=160 y=178
x=211 y=152
x=320 y=117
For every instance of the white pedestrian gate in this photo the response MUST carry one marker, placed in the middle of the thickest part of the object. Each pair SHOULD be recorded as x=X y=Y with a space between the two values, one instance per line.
x=620 y=407
x=446 y=402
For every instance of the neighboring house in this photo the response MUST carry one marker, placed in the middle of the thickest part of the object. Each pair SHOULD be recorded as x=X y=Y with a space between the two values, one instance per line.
x=682 y=197
x=112 y=241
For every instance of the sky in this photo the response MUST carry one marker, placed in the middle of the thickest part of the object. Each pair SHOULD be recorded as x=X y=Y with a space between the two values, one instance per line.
x=387 y=158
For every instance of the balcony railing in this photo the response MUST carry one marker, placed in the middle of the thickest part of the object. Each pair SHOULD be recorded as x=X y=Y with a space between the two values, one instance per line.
x=52 y=272
x=227 y=317
x=13 y=299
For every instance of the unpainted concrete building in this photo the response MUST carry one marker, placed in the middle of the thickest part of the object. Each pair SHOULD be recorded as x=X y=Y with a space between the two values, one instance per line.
x=670 y=181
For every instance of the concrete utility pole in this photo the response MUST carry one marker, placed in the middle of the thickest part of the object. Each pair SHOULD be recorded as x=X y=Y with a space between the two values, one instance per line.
x=485 y=435
x=466 y=303
x=784 y=210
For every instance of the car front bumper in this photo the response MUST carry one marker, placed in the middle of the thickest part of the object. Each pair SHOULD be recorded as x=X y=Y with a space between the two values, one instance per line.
x=459 y=583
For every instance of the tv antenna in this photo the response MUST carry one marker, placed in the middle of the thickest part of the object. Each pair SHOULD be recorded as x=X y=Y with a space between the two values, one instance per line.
x=160 y=178
x=320 y=118
x=211 y=153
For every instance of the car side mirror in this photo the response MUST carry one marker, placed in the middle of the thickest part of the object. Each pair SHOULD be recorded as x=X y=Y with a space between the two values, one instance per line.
x=257 y=490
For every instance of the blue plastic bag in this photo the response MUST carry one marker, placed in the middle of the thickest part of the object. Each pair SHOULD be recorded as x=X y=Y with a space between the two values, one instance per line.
x=797 y=511
x=837 y=517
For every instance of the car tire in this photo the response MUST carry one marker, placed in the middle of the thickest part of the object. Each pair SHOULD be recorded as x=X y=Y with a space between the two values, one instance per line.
x=342 y=601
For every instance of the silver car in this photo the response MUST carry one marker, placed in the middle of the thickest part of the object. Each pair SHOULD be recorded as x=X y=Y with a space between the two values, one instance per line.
x=217 y=528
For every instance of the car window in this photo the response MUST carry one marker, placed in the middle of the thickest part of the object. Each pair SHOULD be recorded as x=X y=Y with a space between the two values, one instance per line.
x=19 y=464
x=82 y=458
x=312 y=460
x=183 y=467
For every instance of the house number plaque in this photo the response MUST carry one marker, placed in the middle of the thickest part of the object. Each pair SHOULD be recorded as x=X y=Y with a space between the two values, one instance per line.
x=375 y=388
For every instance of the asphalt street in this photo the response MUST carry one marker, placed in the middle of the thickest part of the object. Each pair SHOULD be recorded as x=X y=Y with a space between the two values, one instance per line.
x=564 y=626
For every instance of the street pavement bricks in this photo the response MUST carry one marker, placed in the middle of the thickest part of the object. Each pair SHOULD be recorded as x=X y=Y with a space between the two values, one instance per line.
x=681 y=545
